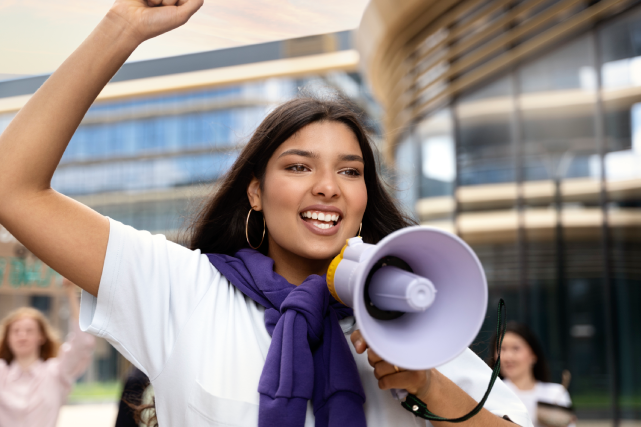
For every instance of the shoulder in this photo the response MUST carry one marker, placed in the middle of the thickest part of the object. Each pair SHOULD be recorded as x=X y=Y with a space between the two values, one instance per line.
x=553 y=393
x=152 y=258
x=550 y=387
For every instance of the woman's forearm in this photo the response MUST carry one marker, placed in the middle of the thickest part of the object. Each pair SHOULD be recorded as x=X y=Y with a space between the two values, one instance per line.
x=34 y=142
x=448 y=400
x=74 y=306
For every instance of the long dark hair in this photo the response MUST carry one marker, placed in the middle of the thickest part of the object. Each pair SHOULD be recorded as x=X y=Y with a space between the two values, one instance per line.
x=540 y=369
x=219 y=226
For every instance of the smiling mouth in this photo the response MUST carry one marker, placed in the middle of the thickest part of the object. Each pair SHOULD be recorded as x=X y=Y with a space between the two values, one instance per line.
x=321 y=220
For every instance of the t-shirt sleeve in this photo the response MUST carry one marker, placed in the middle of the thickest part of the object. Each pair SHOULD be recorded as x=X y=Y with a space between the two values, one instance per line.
x=470 y=373
x=148 y=289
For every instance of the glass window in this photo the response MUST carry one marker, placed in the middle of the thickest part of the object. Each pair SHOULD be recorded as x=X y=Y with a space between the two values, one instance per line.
x=485 y=149
x=438 y=161
x=557 y=109
x=407 y=168
x=620 y=46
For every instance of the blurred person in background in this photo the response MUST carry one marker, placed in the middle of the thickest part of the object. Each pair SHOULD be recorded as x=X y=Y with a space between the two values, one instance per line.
x=36 y=372
x=525 y=371
x=136 y=408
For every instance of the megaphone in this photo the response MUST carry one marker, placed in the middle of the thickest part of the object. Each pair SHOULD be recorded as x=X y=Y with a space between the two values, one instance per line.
x=419 y=296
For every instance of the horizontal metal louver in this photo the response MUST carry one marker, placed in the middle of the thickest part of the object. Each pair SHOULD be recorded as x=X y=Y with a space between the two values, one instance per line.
x=451 y=46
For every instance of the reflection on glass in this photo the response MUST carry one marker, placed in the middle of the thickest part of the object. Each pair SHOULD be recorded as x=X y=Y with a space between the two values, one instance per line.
x=626 y=164
x=557 y=104
x=485 y=149
x=438 y=161
x=406 y=173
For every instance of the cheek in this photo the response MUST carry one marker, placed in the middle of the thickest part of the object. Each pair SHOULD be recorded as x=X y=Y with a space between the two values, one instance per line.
x=281 y=199
x=356 y=196
x=523 y=356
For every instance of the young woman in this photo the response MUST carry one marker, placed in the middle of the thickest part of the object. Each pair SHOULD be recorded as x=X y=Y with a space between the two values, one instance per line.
x=525 y=371
x=229 y=335
x=36 y=373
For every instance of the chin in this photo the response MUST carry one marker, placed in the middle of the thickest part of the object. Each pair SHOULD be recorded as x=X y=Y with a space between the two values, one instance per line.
x=321 y=251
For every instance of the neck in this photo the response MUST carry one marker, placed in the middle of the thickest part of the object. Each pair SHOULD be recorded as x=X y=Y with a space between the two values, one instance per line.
x=526 y=381
x=26 y=361
x=296 y=269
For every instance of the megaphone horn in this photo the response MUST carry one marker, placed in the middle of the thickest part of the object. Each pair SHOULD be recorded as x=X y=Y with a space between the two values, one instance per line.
x=419 y=295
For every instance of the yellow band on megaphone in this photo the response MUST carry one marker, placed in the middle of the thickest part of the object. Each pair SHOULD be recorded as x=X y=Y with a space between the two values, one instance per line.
x=331 y=272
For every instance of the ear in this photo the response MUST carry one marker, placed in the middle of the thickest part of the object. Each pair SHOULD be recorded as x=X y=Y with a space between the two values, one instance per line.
x=254 y=194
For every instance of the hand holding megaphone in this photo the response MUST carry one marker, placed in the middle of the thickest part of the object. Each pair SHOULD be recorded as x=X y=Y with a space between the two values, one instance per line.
x=390 y=376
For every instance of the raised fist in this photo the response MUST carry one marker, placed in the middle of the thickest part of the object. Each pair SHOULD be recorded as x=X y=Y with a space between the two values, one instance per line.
x=150 y=18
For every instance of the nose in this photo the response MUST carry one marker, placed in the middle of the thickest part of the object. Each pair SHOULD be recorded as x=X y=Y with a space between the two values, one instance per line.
x=327 y=185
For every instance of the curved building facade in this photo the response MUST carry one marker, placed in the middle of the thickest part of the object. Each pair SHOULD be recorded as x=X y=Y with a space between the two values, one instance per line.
x=517 y=125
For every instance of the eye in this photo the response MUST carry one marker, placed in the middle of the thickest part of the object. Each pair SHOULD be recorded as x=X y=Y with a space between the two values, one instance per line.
x=297 y=168
x=350 y=172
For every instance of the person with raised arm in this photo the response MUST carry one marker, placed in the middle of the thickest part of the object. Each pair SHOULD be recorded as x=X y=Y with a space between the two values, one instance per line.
x=239 y=328
x=36 y=372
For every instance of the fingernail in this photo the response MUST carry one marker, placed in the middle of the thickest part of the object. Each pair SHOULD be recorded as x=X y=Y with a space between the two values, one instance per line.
x=358 y=343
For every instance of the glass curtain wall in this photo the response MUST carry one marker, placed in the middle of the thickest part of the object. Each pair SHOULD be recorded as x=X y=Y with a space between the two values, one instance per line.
x=557 y=101
x=161 y=144
x=547 y=191
x=619 y=46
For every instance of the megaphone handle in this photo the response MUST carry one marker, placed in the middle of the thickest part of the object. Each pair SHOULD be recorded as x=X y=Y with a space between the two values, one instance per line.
x=399 y=394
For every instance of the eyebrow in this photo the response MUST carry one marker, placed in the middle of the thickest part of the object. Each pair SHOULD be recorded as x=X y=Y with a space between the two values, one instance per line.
x=311 y=154
x=352 y=158
x=302 y=153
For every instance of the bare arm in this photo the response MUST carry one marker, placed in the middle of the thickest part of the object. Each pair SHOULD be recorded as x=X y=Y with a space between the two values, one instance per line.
x=441 y=395
x=66 y=235
x=74 y=306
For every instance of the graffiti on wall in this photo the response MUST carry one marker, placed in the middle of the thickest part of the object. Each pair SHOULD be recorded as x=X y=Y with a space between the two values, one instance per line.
x=19 y=268
x=22 y=272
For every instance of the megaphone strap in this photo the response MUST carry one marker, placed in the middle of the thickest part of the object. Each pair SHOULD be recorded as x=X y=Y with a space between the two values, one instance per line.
x=419 y=408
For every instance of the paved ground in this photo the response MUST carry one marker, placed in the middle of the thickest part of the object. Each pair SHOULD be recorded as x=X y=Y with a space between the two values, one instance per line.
x=92 y=415
x=104 y=415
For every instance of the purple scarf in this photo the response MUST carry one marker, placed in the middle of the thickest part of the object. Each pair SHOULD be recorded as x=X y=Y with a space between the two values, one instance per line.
x=309 y=357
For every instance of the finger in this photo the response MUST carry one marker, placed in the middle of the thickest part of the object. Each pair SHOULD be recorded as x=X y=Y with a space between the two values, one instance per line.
x=154 y=2
x=372 y=357
x=383 y=368
x=358 y=341
x=408 y=380
x=188 y=7
x=169 y=2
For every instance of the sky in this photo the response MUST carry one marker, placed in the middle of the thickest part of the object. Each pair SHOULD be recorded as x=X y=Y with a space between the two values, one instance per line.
x=37 y=35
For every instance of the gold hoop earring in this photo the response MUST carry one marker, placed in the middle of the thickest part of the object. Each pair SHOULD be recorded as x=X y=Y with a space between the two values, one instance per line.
x=247 y=230
x=360 y=227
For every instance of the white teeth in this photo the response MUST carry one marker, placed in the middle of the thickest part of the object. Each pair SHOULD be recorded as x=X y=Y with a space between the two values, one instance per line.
x=321 y=216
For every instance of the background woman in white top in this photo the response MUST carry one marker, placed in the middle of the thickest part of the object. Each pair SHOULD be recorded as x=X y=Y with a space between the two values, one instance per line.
x=525 y=370
x=206 y=346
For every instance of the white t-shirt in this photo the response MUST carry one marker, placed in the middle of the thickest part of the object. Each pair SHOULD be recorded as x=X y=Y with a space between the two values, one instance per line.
x=203 y=344
x=542 y=392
